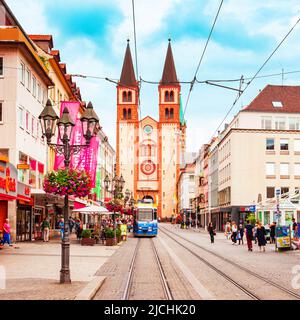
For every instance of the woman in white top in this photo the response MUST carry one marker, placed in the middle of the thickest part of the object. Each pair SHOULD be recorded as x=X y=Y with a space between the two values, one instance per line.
x=234 y=230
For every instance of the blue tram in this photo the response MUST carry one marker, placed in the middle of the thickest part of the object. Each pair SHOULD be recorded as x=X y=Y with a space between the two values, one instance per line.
x=145 y=220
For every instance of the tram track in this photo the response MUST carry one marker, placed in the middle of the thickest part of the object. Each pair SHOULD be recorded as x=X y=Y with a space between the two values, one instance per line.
x=248 y=292
x=135 y=270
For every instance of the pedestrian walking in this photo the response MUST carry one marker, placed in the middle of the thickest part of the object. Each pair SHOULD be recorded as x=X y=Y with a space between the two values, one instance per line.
x=61 y=226
x=46 y=230
x=272 y=232
x=6 y=233
x=71 y=224
x=261 y=236
x=294 y=229
x=241 y=234
x=249 y=234
x=255 y=233
x=212 y=232
x=227 y=230
x=78 y=228
x=234 y=230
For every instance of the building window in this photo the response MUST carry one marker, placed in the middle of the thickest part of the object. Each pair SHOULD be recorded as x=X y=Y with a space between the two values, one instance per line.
x=32 y=173
x=33 y=126
x=284 y=144
x=294 y=123
x=172 y=96
x=27 y=121
x=129 y=97
x=284 y=169
x=124 y=114
x=23 y=174
x=270 y=192
x=297 y=145
x=266 y=123
x=34 y=86
x=297 y=169
x=270 y=144
x=21 y=117
x=129 y=114
x=1 y=112
x=39 y=92
x=22 y=73
x=124 y=96
x=1 y=67
x=4 y=155
x=28 y=79
x=171 y=113
x=167 y=96
x=167 y=113
x=285 y=190
x=280 y=123
x=270 y=169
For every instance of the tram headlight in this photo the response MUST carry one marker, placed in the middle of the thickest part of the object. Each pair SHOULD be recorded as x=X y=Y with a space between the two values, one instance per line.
x=140 y=228
x=150 y=229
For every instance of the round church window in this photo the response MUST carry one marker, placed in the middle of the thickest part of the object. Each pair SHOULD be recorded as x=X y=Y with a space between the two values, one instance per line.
x=148 y=167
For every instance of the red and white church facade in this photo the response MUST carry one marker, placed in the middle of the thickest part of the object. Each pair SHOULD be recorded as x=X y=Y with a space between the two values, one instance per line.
x=149 y=151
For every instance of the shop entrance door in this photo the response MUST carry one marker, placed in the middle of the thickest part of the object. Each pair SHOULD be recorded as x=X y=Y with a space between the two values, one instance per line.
x=23 y=225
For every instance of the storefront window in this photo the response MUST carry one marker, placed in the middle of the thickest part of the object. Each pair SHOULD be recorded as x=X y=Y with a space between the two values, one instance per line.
x=23 y=174
x=266 y=217
x=288 y=218
x=32 y=173
x=259 y=215
x=4 y=155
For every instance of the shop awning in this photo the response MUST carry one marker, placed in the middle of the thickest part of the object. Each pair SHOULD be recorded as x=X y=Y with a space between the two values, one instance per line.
x=23 y=198
x=5 y=197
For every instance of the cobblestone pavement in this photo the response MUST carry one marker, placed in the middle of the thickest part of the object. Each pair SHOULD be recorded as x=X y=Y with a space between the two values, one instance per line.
x=276 y=266
x=32 y=269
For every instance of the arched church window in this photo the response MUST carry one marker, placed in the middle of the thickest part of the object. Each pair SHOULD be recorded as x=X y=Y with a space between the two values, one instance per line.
x=172 y=96
x=124 y=114
x=171 y=113
x=167 y=96
x=129 y=114
x=167 y=113
x=124 y=96
x=129 y=96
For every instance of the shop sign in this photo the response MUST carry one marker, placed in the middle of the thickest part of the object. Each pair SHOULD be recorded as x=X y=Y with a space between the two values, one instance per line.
x=24 y=190
x=23 y=166
x=8 y=179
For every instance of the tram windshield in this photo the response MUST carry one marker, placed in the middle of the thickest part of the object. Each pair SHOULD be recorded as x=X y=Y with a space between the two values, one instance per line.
x=144 y=215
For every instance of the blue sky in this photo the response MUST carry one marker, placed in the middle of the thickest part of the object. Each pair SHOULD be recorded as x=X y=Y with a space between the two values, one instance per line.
x=91 y=36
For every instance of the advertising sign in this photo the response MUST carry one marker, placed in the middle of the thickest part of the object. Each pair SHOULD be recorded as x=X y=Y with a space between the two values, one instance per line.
x=283 y=237
x=8 y=180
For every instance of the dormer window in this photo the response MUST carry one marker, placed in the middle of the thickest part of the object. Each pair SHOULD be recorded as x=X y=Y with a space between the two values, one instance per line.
x=277 y=104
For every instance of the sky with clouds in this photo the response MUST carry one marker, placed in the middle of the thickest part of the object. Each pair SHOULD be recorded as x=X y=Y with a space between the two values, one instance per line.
x=91 y=36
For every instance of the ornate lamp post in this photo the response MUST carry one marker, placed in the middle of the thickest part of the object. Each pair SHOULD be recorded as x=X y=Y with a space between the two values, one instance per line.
x=117 y=188
x=90 y=123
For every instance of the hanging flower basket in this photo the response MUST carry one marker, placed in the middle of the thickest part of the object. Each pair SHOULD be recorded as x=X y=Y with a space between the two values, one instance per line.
x=68 y=182
x=114 y=206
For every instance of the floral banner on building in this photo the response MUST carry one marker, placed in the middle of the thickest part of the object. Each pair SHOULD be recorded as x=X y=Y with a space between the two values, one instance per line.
x=86 y=159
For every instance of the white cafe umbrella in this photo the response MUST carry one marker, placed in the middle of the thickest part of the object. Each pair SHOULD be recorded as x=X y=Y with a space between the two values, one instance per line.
x=93 y=209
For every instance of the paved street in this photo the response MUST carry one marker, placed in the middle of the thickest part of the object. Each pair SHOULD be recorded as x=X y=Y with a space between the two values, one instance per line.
x=32 y=269
x=196 y=272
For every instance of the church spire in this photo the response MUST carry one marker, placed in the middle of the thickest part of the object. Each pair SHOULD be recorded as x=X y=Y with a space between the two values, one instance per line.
x=169 y=74
x=128 y=75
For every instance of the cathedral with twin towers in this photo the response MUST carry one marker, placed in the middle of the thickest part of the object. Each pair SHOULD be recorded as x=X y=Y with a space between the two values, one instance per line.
x=149 y=152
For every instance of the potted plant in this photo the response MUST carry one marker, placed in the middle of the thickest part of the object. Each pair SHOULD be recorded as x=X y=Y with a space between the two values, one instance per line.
x=109 y=235
x=87 y=239
x=118 y=232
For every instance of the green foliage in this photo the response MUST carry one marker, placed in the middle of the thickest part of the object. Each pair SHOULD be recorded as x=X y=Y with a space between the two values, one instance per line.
x=87 y=234
x=118 y=232
x=109 y=233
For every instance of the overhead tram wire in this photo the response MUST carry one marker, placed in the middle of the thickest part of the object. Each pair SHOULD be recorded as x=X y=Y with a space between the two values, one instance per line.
x=256 y=75
x=202 y=56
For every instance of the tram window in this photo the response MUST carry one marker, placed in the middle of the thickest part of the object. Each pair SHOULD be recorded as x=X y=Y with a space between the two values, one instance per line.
x=144 y=215
x=155 y=215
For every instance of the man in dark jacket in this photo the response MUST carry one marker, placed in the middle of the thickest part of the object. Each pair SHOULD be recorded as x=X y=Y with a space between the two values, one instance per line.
x=272 y=232
x=249 y=235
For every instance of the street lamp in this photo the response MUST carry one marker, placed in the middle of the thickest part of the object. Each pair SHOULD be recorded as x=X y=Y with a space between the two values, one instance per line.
x=65 y=124
x=117 y=187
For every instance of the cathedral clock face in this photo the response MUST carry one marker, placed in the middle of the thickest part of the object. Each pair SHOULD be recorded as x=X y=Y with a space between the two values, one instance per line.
x=148 y=167
x=148 y=129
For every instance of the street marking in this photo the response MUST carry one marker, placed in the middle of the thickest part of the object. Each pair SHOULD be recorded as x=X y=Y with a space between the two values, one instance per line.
x=195 y=283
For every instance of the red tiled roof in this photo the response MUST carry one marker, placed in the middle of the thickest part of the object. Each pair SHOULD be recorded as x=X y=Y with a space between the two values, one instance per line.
x=42 y=37
x=289 y=96
x=55 y=54
x=63 y=66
